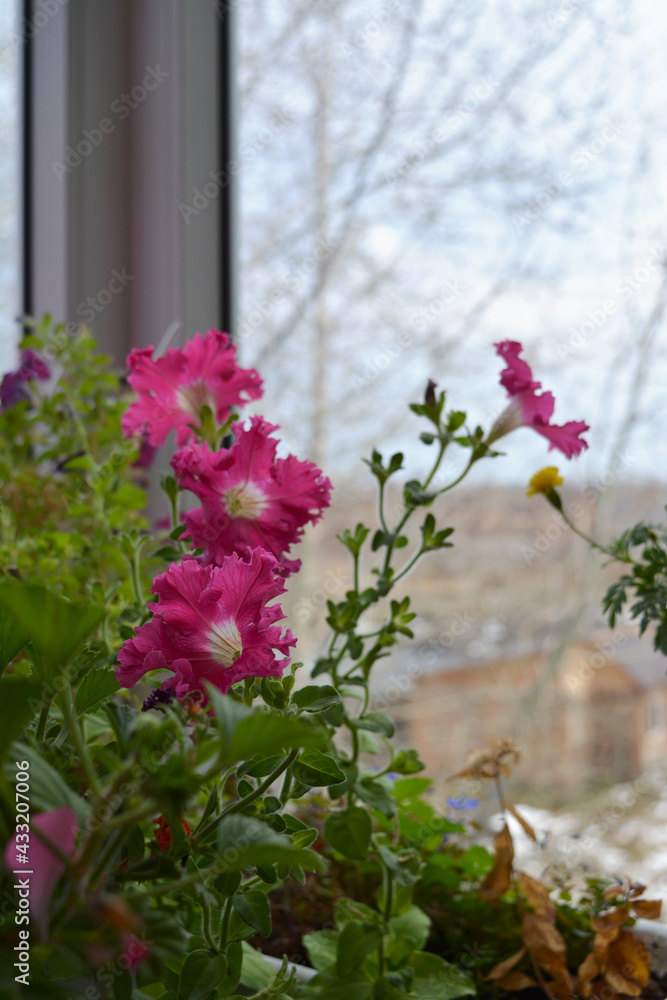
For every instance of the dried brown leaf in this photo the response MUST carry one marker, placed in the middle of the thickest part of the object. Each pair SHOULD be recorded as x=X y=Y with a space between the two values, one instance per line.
x=499 y=970
x=629 y=964
x=589 y=969
x=612 y=891
x=614 y=918
x=537 y=895
x=650 y=909
x=524 y=823
x=545 y=943
x=515 y=981
x=562 y=987
x=499 y=878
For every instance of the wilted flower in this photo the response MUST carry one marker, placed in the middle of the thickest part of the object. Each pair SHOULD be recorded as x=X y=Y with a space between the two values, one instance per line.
x=250 y=499
x=491 y=762
x=211 y=624
x=173 y=389
x=530 y=409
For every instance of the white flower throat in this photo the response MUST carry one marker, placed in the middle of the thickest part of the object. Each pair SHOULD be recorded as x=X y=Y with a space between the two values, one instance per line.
x=225 y=642
x=192 y=397
x=245 y=501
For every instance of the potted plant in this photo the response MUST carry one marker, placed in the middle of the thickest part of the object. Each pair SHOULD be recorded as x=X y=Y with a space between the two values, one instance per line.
x=170 y=784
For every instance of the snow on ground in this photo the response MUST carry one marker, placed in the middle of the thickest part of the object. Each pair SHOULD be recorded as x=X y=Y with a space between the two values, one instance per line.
x=619 y=833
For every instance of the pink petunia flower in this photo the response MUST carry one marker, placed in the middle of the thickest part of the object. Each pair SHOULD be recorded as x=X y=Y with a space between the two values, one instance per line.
x=60 y=826
x=211 y=624
x=530 y=409
x=250 y=499
x=173 y=389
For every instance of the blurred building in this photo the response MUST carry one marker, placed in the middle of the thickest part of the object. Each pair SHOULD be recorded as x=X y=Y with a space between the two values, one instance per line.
x=594 y=715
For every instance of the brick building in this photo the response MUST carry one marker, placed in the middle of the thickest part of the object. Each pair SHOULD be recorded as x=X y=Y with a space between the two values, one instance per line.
x=594 y=715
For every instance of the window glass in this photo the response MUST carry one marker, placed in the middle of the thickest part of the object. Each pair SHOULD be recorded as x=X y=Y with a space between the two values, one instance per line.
x=10 y=51
x=419 y=180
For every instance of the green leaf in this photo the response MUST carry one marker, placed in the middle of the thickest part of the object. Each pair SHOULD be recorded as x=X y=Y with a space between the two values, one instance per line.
x=130 y=497
x=349 y=832
x=57 y=628
x=330 y=986
x=315 y=769
x=436 y=979
x=228 y=714
x=376 y=722
x=12 y=637
x=47 y=789
x=95 y=688
x=227 y=883
x=261 y=766
x=356 y=940
x=408 y=932
x=399 y=866
x=410 y=788
x=19 y=698
x=257 y=974
x=253 y=908
x=200 y=975
x=265 y=732
x=407 y=762
x=315 y=698
x=321 y=948
x=244 y=842
x=376 y=794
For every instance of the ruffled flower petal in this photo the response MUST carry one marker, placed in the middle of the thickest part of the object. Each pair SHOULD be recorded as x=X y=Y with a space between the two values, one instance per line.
x=171 y=390
x=211 y=623
x=250 y=499
x=532 y=409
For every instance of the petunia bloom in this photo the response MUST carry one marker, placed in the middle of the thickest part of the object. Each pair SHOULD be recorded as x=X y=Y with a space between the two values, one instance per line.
x=60 y=826
x=211 y=623
x=171 y=390
x=532 y=409
x=12 y=388
x=250 y=499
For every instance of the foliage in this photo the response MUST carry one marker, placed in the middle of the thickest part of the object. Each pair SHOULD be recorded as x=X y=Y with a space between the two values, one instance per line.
x=646 y=577
x=165 y=829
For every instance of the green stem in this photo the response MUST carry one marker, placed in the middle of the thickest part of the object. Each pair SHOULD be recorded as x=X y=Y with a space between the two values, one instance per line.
x=355 y=739
x=135 y=576
x=166 y=888
x=436 y=465
x=226 y=917
x=240 y=804
x=406 y=569
x=381 y=516
x=591 y=541
x=128 y=818
x=389 y=895
x=207 y=930
x=80 y=743
x=43 y=719
x=458 y=479
x=113 y=845
x=286 y=789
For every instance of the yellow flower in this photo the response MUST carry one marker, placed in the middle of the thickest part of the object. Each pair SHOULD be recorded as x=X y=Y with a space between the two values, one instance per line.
x=544 y=481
